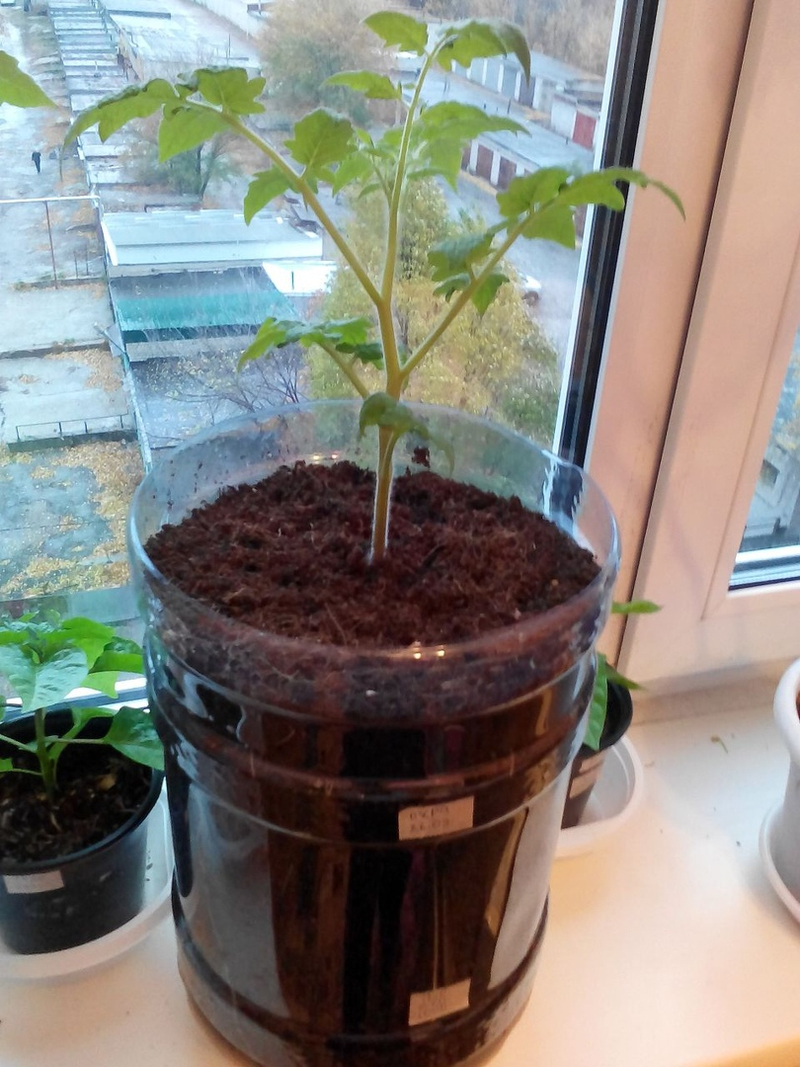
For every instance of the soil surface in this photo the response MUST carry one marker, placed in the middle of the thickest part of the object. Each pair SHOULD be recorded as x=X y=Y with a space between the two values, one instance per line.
x=99 y=790
x=289 y=555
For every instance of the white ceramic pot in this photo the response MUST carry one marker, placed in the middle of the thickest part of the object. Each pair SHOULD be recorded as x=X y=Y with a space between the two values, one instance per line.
x=786 y=831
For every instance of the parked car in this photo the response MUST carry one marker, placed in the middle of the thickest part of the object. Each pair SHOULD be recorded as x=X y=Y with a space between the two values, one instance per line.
x=531 y=288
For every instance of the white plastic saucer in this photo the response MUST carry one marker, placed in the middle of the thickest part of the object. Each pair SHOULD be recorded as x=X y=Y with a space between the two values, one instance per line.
x=765 y=847
x=158 y=881
x=614 y=798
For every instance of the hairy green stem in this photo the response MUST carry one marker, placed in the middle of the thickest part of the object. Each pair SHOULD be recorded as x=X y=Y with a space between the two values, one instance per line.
x=386 y=321
x=387 y=439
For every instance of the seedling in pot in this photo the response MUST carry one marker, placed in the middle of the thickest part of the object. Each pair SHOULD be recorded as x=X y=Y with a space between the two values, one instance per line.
x=606 y=673
x=326 y=149
x=44 y=661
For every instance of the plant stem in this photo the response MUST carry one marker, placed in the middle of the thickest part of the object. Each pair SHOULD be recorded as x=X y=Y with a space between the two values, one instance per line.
x=299 y=183
x=395 y=379
x=464 y=296
x=347 y=370
x=42 y=754
x=386 y=322
x=387 y=439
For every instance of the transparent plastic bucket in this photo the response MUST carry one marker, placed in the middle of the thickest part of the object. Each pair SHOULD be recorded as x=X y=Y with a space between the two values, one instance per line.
x=363 y=839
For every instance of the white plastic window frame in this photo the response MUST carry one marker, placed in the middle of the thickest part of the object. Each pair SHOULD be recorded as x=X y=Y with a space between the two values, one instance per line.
x=705 y=316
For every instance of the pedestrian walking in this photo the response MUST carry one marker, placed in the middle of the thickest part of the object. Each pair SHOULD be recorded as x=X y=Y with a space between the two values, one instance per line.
x=37 y=160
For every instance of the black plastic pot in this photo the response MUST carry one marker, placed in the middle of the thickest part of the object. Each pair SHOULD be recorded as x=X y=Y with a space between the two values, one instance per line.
x=58 y=904
x=588 y=764
x=363 y=839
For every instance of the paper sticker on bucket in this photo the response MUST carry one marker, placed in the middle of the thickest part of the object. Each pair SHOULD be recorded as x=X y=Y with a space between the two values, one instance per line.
x=434 y=820
x=44 y=882
x=434 y=1003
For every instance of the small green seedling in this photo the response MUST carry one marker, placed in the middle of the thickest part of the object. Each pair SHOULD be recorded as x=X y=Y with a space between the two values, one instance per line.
x=44 y=661
x=326 y=149
x=606 y=673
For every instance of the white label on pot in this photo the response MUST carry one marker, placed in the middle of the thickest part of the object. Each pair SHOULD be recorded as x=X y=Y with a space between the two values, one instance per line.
x=44 y=882
x=434 y=820
x=434 y=1003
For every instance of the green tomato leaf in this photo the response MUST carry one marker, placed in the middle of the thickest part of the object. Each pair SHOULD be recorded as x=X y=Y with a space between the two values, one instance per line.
x=134 y=102
x=380 y=409
x=552 y=224
x=638 y=177
x=230 y=88
x=321 y=139
x=528 y=191
x=439 y=157
x=459 y=253
x=347 y=333
x=373 y=86
x=354 y=168
x=348 y=336
x=265 y=186
x=464 y=41
x=406 y=32
x=371 y=352
x=185 y=126
x=594 y=188
x=461 y=122
x=18 y=88
x=133 y=734
x=487 y=291
x=272 y=333
x=452 y=284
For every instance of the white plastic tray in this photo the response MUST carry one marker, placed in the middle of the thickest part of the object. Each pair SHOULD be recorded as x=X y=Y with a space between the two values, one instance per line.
x=614 y=798
x=765 y=847
x=155 y=906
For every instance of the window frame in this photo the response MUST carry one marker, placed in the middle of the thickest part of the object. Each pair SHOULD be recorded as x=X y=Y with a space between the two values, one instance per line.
x=721 y=90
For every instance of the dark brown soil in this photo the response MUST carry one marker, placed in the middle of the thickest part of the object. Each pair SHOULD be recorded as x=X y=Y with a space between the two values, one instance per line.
x=289 y=555
x=99 y=790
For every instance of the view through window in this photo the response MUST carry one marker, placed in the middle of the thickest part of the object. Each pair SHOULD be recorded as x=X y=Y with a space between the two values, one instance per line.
x=129 y=287
x=770 y=549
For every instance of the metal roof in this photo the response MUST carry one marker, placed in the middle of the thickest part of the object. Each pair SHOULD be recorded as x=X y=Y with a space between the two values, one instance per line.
x=202 y=301
x=157 y=241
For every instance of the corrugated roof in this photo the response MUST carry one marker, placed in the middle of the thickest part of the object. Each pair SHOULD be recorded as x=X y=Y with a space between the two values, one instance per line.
x=199 y=301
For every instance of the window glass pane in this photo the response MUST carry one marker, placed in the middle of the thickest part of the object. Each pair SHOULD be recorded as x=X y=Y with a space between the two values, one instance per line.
x=770 y=548
x=126 y=309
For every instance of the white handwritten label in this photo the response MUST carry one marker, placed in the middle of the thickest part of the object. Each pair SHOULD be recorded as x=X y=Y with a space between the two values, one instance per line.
x=44 y=882
x=434 y=820
x=434 y=1003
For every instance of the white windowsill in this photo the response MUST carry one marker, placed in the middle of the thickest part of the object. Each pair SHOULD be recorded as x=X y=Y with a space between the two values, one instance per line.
x=666 y=946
